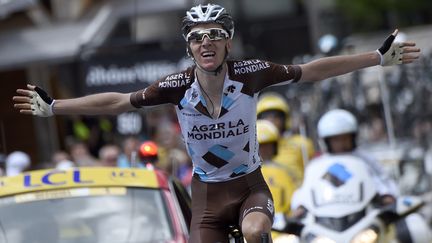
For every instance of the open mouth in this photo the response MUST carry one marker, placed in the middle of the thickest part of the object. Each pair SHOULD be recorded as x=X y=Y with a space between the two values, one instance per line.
x=208 y=54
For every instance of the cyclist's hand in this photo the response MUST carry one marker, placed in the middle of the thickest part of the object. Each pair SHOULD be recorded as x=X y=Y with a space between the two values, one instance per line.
x=34 y=101
x=392 y=53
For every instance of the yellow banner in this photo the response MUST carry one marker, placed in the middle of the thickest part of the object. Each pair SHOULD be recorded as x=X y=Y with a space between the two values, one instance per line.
x=42 y=180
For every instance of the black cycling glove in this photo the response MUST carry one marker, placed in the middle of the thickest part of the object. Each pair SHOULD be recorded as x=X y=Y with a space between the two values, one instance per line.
x=41 y=103
x=390 y=52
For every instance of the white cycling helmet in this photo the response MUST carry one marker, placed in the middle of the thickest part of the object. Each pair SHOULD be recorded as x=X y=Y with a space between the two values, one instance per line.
x=337 y=122
x=209 y=13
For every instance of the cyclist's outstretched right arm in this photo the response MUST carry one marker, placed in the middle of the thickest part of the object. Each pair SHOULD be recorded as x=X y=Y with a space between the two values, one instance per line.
x=35 y=101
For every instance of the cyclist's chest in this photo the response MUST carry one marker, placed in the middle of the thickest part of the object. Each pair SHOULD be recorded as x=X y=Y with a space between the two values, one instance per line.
x=230 y=102
x=236 y=117
x=239 y=114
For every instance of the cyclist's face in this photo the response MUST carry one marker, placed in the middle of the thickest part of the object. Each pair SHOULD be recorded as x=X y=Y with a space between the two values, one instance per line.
x=209 y=54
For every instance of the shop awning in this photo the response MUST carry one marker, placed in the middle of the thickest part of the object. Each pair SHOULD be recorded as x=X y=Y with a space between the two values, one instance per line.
x=62 y=43
x=27 y=46
x=8 y=7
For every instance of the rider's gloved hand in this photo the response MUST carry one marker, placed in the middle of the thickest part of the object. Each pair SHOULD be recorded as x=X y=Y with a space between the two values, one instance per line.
x=390 y=52
x=41 y=103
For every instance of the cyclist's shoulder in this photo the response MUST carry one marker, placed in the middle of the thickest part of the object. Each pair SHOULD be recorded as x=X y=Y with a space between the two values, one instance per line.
x=247 y=67
x=180 y=79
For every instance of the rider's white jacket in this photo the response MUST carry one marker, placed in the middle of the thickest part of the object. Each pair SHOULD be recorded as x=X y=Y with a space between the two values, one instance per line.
x=384 y=184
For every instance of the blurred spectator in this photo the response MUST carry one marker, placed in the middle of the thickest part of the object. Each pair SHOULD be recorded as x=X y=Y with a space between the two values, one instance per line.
x=93 y=131
x=173 y=157
x=80 y=154
x=62 y=160
x=294 y=150
x=130 y=145
x=162 y=114
x=183 y=169
x=413 y=178
x=422 y=129
x=377 y=131
x=17 y=162
x=276 y=175
x=2 y=164
x=428 y=161
x=109 y=155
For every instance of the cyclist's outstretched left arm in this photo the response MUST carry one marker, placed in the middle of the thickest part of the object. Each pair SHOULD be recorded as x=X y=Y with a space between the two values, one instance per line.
x=390 y=53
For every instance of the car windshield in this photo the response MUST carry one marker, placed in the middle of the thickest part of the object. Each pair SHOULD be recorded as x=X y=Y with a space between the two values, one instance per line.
x=93 y=215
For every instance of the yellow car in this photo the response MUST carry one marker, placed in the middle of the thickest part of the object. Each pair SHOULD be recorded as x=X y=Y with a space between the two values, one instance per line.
x=93 y=205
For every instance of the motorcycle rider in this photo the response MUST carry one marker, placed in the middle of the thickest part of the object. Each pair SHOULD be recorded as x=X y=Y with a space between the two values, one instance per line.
x=337 y=131
x=294 y=150
x=276 y=175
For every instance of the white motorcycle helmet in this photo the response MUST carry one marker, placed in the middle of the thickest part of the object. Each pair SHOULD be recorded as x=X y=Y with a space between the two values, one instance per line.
x=336 y=122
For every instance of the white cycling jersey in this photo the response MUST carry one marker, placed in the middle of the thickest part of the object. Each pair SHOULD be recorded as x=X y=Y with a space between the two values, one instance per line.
x=225 y=147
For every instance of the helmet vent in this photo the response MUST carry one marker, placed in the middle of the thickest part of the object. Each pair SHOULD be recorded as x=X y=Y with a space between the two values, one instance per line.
x=209 y=13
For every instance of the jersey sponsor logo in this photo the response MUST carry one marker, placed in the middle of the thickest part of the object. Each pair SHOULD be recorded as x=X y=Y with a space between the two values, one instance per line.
x=175 y=81
x=230 y=89
x=54 y=178
x=218 y=130
x=191 y=114
x=194 y=94
x=270 y=206
x=254 y=208
x=337 y=175
x=249 y=66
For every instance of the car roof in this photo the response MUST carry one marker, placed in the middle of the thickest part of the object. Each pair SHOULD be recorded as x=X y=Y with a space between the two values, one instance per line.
x=82 y=177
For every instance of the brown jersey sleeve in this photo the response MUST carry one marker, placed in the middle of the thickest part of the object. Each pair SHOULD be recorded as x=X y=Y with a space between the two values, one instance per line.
x=258 y=74
x=170 y=89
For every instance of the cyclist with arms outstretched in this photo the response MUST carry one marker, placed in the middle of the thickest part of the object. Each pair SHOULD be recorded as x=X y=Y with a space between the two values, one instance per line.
x=215 y=101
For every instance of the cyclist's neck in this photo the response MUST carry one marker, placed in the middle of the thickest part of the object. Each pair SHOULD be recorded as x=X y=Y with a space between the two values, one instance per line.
x=210 y=82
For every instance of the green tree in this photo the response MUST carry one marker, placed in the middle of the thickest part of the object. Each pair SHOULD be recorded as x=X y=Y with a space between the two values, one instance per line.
x=378 y=14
